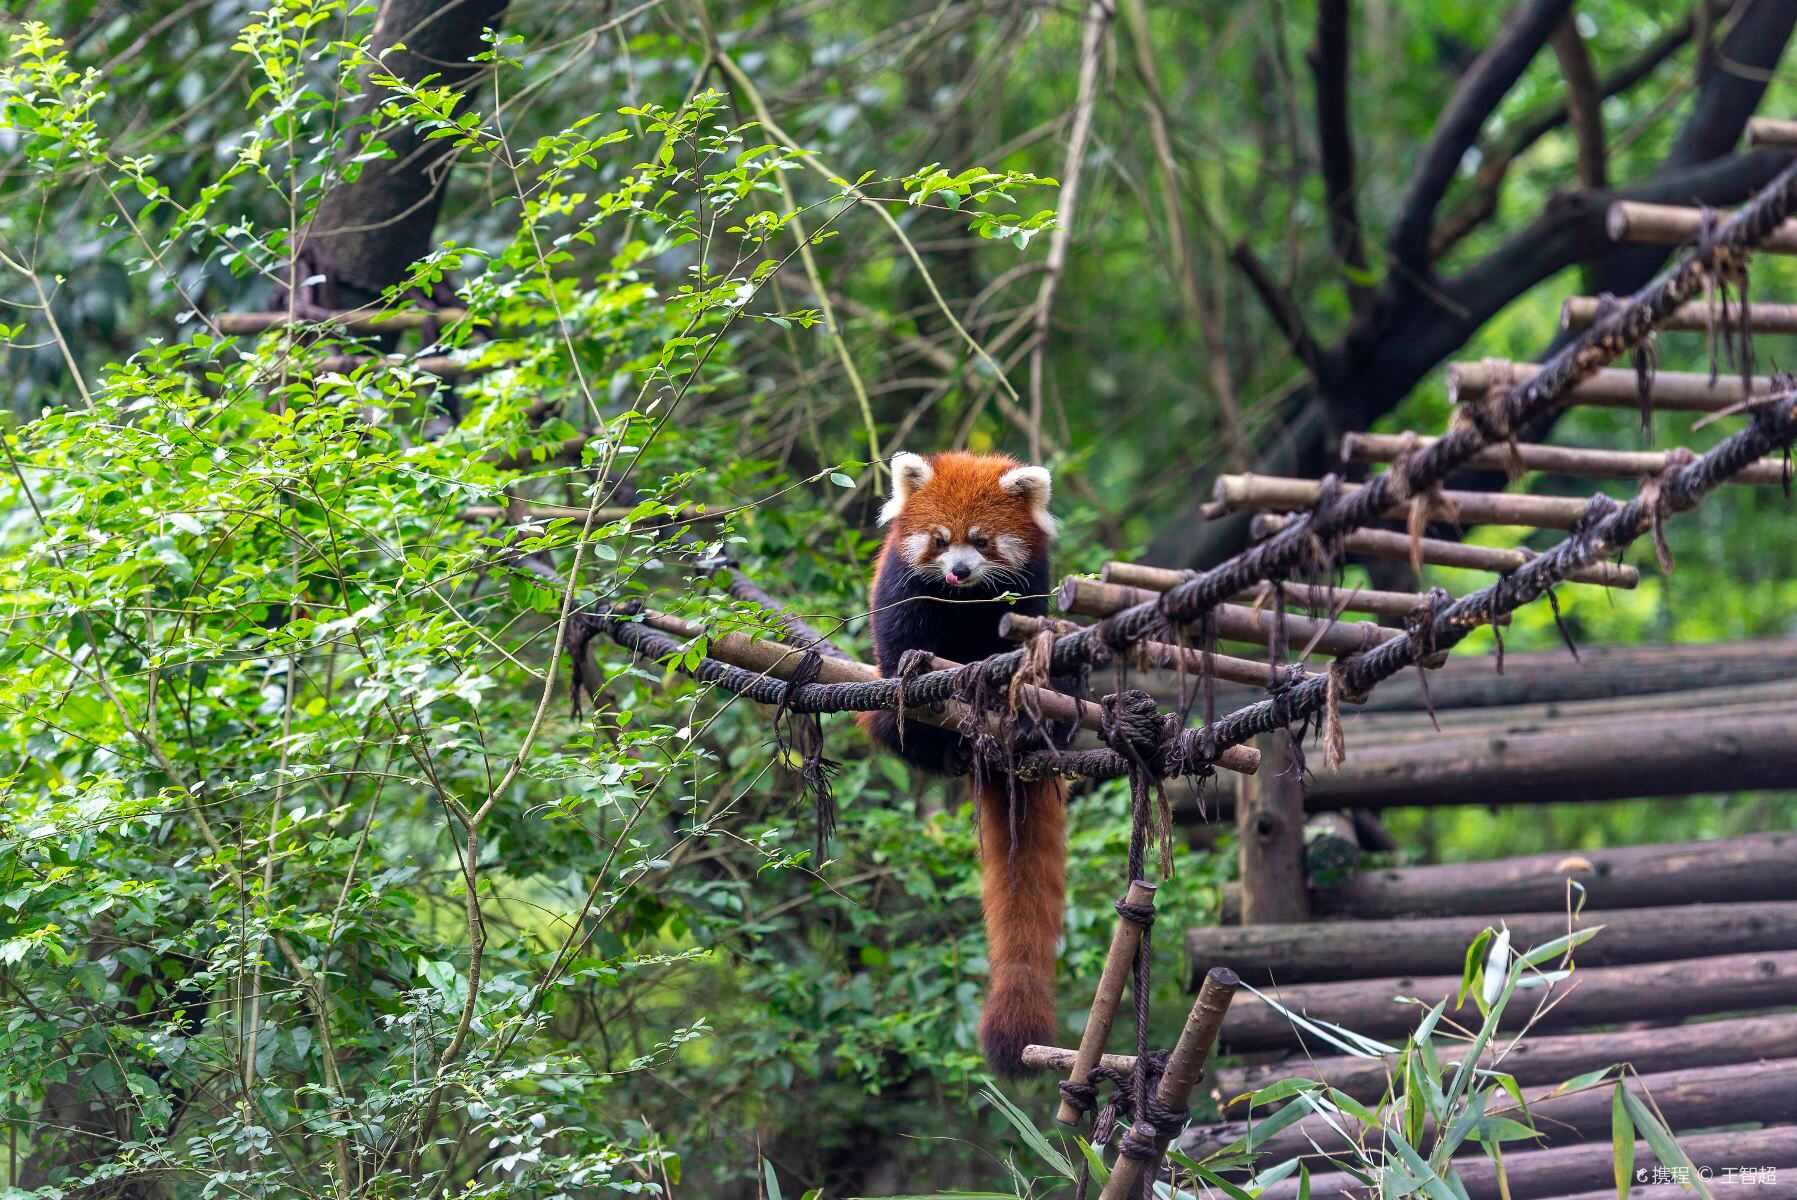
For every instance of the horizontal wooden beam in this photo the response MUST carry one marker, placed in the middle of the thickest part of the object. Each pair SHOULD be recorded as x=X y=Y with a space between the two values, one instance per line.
x=1534 y=1058
x=1556 y=460
x=1704 y=1097
x=1674 y=225
x=1234 y=622
x=1325 y=950
x=1603 y=996
x=1314 y=598
x=1253 y=493
x=1253 y=672
x=1564 y=1170
x=1612 y=387
x=354 y=322
x=1580 y=312
x=430 y=364
x=1440 y=552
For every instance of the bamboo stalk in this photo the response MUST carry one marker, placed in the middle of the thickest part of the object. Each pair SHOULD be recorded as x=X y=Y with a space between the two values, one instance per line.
x=1234 y=622
x=1771 y=131
x=1164 y=655
x=1612 y=387
x=1674 y=225
x=1184 y=1066
x=387 y=322
x=1248 y=493
x=1558 y=460
x=1580 y=312
x=1315 y=597
x=1389 y=543
x=1126 y=939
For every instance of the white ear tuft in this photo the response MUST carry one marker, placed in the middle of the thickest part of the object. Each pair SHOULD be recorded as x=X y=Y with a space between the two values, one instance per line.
x=1032 y=484
x=909 y=473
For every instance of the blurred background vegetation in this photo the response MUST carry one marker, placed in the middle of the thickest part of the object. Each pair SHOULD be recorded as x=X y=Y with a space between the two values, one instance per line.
x=732 y=1011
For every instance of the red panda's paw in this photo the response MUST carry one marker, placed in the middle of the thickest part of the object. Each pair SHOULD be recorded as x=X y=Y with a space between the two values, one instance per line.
x=1016 y=1017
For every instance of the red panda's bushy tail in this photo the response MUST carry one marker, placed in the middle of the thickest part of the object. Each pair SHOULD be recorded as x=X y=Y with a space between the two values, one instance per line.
x=1023 y=887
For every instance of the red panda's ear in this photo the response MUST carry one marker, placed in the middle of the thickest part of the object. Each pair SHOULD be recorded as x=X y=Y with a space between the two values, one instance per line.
x=909 y=473
x=1031 y=484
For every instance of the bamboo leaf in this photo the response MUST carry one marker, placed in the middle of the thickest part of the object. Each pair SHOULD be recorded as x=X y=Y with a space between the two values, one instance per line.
x=1622 y=1141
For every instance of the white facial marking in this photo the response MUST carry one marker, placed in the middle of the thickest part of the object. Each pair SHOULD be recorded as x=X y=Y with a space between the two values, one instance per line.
x=962 y=564
x=1013 y=549
x=909 y=473
x=913 y=548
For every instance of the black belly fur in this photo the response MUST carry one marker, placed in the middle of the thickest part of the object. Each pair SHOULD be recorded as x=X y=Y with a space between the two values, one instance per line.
x=920 y=612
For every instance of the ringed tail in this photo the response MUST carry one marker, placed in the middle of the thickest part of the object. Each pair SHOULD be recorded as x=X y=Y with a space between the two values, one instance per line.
x=1023 y=888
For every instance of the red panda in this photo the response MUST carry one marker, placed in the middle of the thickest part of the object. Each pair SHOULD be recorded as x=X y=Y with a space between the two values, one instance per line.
x=966 y=529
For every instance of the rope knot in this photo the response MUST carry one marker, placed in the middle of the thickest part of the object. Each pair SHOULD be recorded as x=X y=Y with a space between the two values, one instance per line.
x=1132 y=726
x=799 y=732
x=1656 y=496
x=911 y=664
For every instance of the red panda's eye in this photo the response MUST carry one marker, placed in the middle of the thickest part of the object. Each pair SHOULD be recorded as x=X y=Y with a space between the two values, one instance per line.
x=940 y=541
x=980 y=543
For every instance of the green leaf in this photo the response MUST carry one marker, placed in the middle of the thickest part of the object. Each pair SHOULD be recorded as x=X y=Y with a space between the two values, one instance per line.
x=1026 y=1129
x=841 y=480
x=1665 y=1146
x=1622 y=1141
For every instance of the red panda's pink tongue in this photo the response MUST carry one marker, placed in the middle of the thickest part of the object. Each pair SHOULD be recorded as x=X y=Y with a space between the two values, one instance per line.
x=951 y=577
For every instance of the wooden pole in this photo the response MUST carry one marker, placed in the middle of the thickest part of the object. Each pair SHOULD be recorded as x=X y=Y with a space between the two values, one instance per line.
x=1391 y=543
x=1580 y=312
x=1184 y=1066
x=1558 y=460
x=1771 y=131
x=1269 y=821
x=352 y=322
x=1539 y=1059
x=1673 y=225
x=1164 y=655
x=430 y=364
x=1602 y=996
x=1234 y=622
x=1125 y=940
x=1252 y=493
x=1613 y=387
x=1328 y=950
x=1060 y=1059
x=1319 y=598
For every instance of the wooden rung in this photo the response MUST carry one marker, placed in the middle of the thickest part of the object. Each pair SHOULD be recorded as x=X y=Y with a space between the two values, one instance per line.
x=1550 y=1059
x=1603 y=996
x=355 y=321
x=1234 y=622
x=1580 y=312
x=1319 y=598
x=1389 y=543
x=1251 y=493
x=1612 y=387
x=1674 y=225
x=1558 y=460
x=1163 y=655
x=1326 y=950
x=1126 y=939
x=1771 y=131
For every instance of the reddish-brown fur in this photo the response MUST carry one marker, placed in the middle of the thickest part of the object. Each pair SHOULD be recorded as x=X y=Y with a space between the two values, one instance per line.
x=1023 y=885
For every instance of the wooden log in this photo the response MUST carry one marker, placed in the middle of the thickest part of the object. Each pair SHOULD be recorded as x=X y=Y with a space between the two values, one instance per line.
x=1263 y=953
x=1255 y=493
x=1756 y=867
x=1126 y=938
x=1674 y=225
x=1541 y=1174
x=1524 y=718
x=354 y=322
x=430 y=364
x=1059 y=1059
x=1674 y=754
x=1603 y=995
x=1614 y=387
x=1738 y=1184
x=1771 y=131
x=1161 y=655
x=1580 y=312
x=1704 y=1097
x=1185 y=1064
x=1234 y=622
x=1315 y=598
x=1331 y=851
x=1269 y=823
x=1538 y=1059
x=1389 y=543
x=1557 y=460
x=1550 y=676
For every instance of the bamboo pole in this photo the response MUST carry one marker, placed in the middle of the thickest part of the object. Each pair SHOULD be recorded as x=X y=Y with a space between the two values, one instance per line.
x=1612 y=387
x=1164 y=655
x=355 y=322
x=1389 y=543
x=1248 y=493
x=1580 y=312
x=1184 y=1067
x=1234 y=622
x=1126 y=939
x=1771 y=131
x=1558 y=460
x=1317 y=598
x=1060 y=1059
x=1674 y=225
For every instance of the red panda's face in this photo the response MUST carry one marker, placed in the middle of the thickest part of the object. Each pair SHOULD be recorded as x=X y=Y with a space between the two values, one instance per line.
x=968 y=518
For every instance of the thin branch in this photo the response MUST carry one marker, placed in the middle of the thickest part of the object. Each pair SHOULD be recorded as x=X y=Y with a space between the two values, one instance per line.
x=1279 y=305
x=1584 y=103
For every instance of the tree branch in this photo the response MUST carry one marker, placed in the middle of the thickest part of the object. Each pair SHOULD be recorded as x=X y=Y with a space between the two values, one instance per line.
x=1328 y=59
x=1584 y=103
